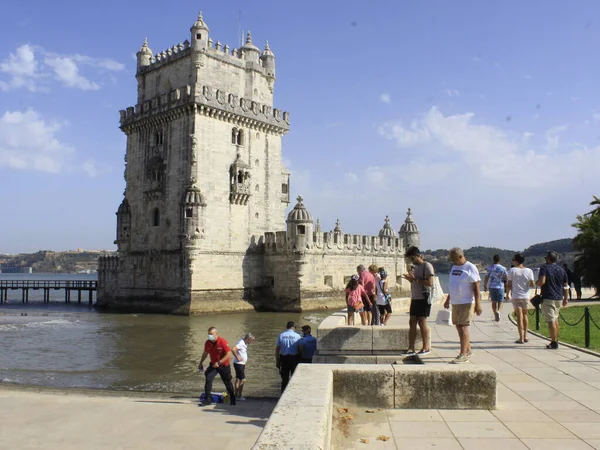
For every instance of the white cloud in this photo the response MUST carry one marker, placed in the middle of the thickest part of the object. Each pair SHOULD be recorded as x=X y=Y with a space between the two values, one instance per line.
x=66 y=71
x=453 y=93
x=29 y=142
x=596 y=117
x=32 y=67
x=93 y=169
x=21 y=67
x=385 y=98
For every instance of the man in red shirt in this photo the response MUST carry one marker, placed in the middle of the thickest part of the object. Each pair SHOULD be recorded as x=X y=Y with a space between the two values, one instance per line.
x=367 y=281
x=220 y=353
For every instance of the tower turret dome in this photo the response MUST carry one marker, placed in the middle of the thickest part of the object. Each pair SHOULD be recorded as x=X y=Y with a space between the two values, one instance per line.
x=409 y=226
x=251 y=51
x=299 y=214
x=387 y=230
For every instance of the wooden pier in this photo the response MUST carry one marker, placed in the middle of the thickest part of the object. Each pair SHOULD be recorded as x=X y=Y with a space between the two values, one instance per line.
x=68 y=286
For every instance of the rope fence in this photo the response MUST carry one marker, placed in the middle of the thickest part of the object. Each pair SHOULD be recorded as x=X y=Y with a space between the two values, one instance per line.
x=586 y=317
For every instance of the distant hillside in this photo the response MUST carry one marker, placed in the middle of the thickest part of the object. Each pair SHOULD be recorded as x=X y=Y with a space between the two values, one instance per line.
x=54 y=262
x=482 y=256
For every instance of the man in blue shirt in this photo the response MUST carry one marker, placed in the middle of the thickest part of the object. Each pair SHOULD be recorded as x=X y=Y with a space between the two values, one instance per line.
x=286 y=353
x=554 y=285
x=495 y=280
x=307 y=345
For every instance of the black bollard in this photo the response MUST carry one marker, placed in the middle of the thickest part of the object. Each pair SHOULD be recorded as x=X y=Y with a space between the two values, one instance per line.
x=586 y=322
x=537 y=318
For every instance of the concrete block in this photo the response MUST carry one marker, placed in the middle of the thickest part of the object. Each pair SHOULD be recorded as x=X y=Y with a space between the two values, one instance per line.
x=444 y=386
x=299 y=428
x=368 y=385
x=391 y=338
x=343 y=338
x=311 y=385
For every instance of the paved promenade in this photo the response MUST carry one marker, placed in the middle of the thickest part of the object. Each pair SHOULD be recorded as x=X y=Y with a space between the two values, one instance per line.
x=60 y=420
x=548 y=399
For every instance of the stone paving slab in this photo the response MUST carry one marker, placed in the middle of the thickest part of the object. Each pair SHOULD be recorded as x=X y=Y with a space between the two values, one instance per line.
x=547 y=399
x=52 y=420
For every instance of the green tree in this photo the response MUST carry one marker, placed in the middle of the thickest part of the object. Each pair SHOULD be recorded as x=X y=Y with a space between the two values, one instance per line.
x=587 y=243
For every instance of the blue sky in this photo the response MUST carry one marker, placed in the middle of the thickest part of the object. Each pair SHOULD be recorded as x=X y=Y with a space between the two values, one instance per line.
x=483 y=117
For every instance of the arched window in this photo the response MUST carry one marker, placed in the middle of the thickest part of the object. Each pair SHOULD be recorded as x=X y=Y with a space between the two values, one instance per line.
x=155 y=217
x=240 y=177
x=240 y=137
x=234 y=135
x=189 y=213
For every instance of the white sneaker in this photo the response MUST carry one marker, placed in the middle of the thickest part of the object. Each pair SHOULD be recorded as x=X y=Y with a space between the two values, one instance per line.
x=242 y=398
x=460 y=359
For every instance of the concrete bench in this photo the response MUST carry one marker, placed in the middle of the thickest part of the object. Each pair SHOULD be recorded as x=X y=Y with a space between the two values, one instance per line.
x=338 y=343
x=303 y=416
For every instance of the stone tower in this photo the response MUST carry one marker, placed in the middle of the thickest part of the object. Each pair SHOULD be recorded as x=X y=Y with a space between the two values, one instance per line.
x=204 y=175
x=409 y=231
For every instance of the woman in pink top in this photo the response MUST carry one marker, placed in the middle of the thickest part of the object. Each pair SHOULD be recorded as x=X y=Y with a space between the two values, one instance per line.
x=355 y=296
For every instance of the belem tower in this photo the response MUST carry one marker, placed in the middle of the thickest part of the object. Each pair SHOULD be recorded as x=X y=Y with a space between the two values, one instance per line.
x=202 y=225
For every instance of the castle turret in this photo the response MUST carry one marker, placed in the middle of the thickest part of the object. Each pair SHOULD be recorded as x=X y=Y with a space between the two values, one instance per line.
x=409 y=231
x=251 y=51
x=387 y=230
x=300 y=226
x=199 y=33
x=192 y=227
x=123 y=240
x=144 y=55
x=268 y=62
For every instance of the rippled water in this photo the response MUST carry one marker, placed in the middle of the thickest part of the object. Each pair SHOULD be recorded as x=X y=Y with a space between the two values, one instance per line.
x=72 y=345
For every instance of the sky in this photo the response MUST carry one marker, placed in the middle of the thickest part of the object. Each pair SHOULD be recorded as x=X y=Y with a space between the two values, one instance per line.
x=482 y=117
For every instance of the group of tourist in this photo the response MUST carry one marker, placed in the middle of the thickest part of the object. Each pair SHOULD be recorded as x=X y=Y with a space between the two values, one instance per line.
x=291 y=349
x=514 y=284
x=367 y=294
x=465 y=296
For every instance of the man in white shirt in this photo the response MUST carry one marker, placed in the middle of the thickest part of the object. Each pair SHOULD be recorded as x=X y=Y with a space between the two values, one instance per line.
x=465 y=297
x=240 y=354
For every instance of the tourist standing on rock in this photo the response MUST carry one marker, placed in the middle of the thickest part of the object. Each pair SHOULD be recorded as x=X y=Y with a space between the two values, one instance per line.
x=495 y=280
x=383 y=299
x=465 y=297
x=375 y=315
x=307 y=345
x=520 y=280
x=421 y=281
x=367 y=281
x=554 y=283
x=240 y=358
x=220 y=353
x=286 y=353
x=356 y=298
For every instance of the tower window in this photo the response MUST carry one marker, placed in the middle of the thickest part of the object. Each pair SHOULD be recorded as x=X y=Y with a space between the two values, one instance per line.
x=234 y=134
x=301 y=229
x=158 y=138
x=240 y=137
x=328 y=280
x=198 y=36
x=284 y=188
x=189 y=213
x=155 y=217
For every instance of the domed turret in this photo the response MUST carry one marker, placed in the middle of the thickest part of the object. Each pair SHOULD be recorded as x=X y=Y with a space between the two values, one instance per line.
x=251 y=51
x=199 y=33
x=409 y=231
x=123 y=240
x=268 y=62
x=300 y=226
x=387 y=230
x=338 y=227
x=144 y=55
x=193 y=197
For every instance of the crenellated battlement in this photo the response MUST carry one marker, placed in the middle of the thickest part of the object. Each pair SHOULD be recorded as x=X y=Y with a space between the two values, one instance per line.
x=168 y=56
x=108 y=263
x=214 y=103
x=335 y=243
x=159 y=104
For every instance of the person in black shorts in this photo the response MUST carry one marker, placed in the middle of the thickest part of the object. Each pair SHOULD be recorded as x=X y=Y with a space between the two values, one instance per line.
x=421 y=282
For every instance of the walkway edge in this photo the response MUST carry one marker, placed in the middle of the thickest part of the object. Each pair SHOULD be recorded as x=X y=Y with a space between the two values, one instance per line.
x=571 y=346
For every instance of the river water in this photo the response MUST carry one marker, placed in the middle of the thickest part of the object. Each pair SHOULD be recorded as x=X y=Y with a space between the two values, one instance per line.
x=73 y=345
